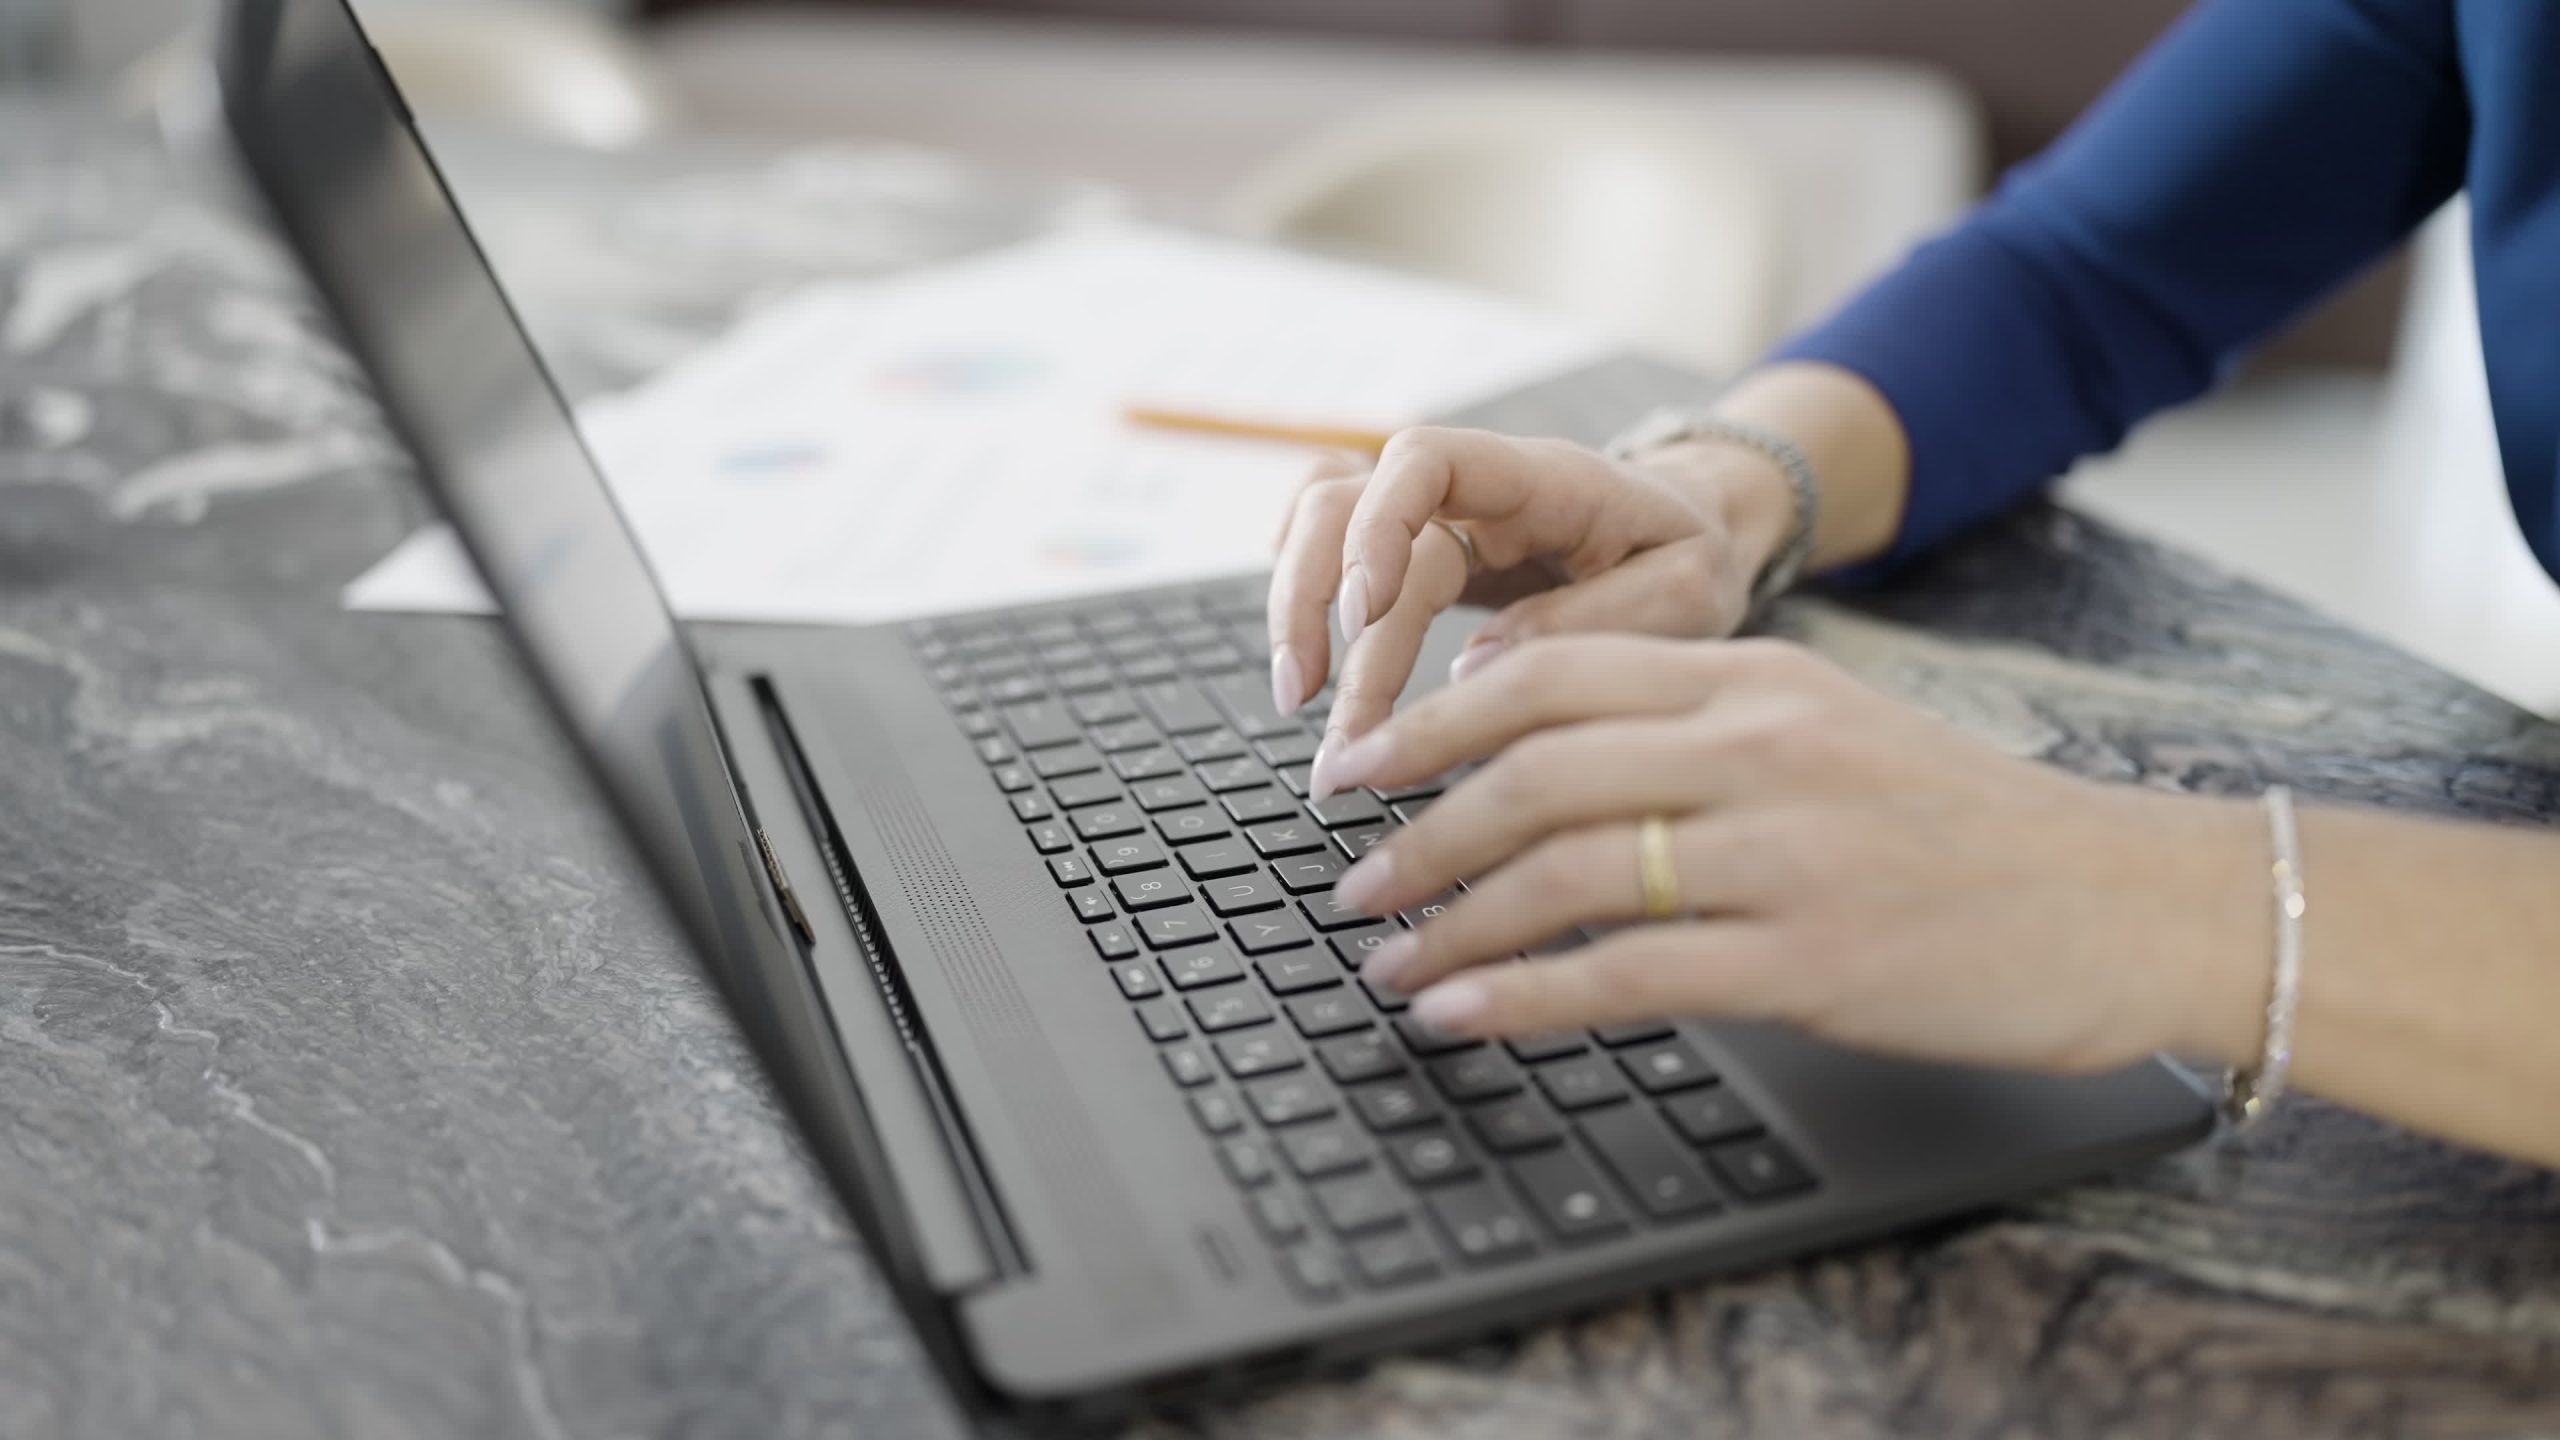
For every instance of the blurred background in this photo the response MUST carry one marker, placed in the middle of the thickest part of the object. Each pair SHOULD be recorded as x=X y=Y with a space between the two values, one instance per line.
x=1698 y=176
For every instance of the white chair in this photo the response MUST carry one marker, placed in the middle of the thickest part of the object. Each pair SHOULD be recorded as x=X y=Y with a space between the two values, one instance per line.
x=1633 y=218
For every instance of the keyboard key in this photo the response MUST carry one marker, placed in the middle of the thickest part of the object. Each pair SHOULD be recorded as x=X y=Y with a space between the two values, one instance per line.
x=1287 y=837
x=1484 y=1074
x=1038 y=723
x=1101 y=709
x=1148 y=764
x=1172 y=793
x=1161 y=1021
x=1356 y=841
x=1077 y=791
x=1354 y=945
x=1355 y=1058
x=1253 y=807
x=1424 y=1039
x=1634 y=1033
x=1654 y=1167
x=1292 y=972
x=1030 y=806
x=1219 y=744
x=1136 y=979
x=1264 y=1052
x=1089 y=904
x=1760 y=1169
x=1431 y=1157
x=1534 y=1048
x=1017 y=688
x=1395 y=1104
x=1705 y=1117
x=1122 y=735
x=1277 y=1215
x=1411 y=810
x=1070 y=870
x=1431 y=909
x=1394 y=1002
x=1420 y=790
x=1402 y=1257
x=1242 y=894
x=1262 y=934
x=1246 y=698
x=1165 y=929
x=1514 y=1125
x=1312 y=1272
x=1210 y=659
x=1222 y=776
x=1012 y=778
x=1582 y=1082
x=1289 y=1099
x=1150 y=891
x=1082 y=679
x=1245 y=1162
x=1049 y=837
x=1667 y=1066
x=994 y=751
x=1330 y=1013
x=1200 y=968
x=1315 y=1151
x=1212 y=861
x=1127 y=855
x=1351 y=807
x=976 y=723
x=1357 y=1203
x=1188 y=1063
x=1181 y=827
x=1176 y=706
x=1114 y=941
x=1064 y=760
x=1294 y=778
x=1307 y=874
x=1568 y=1195
x=1148 y=667
x=1481 y=1223
x=1326 y=913
x=1217 y=1112
x=1230 y=1007
x=1291 y=747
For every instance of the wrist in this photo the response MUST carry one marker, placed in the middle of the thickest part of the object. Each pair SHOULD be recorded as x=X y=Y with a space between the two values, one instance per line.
x=2212 y=925
x=1733 y=487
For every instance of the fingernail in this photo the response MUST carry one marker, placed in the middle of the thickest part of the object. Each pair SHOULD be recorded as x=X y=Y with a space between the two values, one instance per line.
x=1362 y=884
x=1452 y=1004
x=1351 y=606
x=1474 y=658
x=1288 y=682
x=1388 y=963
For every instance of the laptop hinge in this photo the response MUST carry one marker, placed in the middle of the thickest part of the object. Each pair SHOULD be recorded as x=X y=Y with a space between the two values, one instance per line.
x=781 y=879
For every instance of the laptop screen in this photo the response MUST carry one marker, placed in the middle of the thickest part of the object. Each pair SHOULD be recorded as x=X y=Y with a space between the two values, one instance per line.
x=325 y=136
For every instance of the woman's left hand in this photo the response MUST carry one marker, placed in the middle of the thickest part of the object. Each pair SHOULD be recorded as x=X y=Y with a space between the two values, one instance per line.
x=1845 y=864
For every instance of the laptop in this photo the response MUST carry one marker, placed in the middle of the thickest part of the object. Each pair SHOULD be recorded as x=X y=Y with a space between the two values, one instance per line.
x=1027 y=916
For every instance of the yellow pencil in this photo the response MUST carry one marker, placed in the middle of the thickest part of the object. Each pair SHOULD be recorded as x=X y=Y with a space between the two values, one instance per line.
x=1323 y=437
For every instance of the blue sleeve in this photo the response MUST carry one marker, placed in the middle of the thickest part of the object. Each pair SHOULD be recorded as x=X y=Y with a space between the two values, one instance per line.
x=2260 y=154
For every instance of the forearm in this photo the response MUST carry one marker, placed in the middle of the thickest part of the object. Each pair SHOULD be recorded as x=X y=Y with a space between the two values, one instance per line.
x=2430 y=984
x=1856 y=446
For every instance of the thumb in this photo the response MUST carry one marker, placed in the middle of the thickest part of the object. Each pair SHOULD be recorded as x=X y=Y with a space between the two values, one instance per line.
x=1683 y=591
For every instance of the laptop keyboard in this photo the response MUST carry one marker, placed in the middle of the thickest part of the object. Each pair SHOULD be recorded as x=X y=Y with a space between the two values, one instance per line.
x=1135 y=742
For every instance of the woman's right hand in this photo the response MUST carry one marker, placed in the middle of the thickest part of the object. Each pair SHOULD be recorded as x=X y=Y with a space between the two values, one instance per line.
x=1564 y=539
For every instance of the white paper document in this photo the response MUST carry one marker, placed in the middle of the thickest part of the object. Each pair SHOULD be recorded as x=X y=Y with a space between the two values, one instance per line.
x=953 y=438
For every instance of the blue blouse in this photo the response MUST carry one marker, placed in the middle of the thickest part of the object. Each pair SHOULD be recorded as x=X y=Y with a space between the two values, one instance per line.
x=2257 y=157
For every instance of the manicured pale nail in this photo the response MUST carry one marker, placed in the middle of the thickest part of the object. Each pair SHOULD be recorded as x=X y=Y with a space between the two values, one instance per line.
x=1452 y=1004
x=1473 y=658
x=1388 y=963
x=1362 y=884
x=1351 y=606
x=1288 y=681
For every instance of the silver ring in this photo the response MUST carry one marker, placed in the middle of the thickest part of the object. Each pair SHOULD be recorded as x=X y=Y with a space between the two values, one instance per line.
x=1466 y=543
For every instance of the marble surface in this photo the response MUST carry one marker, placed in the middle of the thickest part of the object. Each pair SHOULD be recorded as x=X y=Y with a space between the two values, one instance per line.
x=349 y=1084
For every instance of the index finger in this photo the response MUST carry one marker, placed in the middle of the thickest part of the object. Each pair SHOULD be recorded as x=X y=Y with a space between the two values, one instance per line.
x=1424 y=472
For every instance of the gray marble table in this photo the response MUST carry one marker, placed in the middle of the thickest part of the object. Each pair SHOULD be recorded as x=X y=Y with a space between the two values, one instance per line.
x=349 y=1087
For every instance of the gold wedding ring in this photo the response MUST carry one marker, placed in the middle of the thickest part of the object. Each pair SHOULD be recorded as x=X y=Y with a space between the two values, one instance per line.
x=1466 y=543
x=1654 y=870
